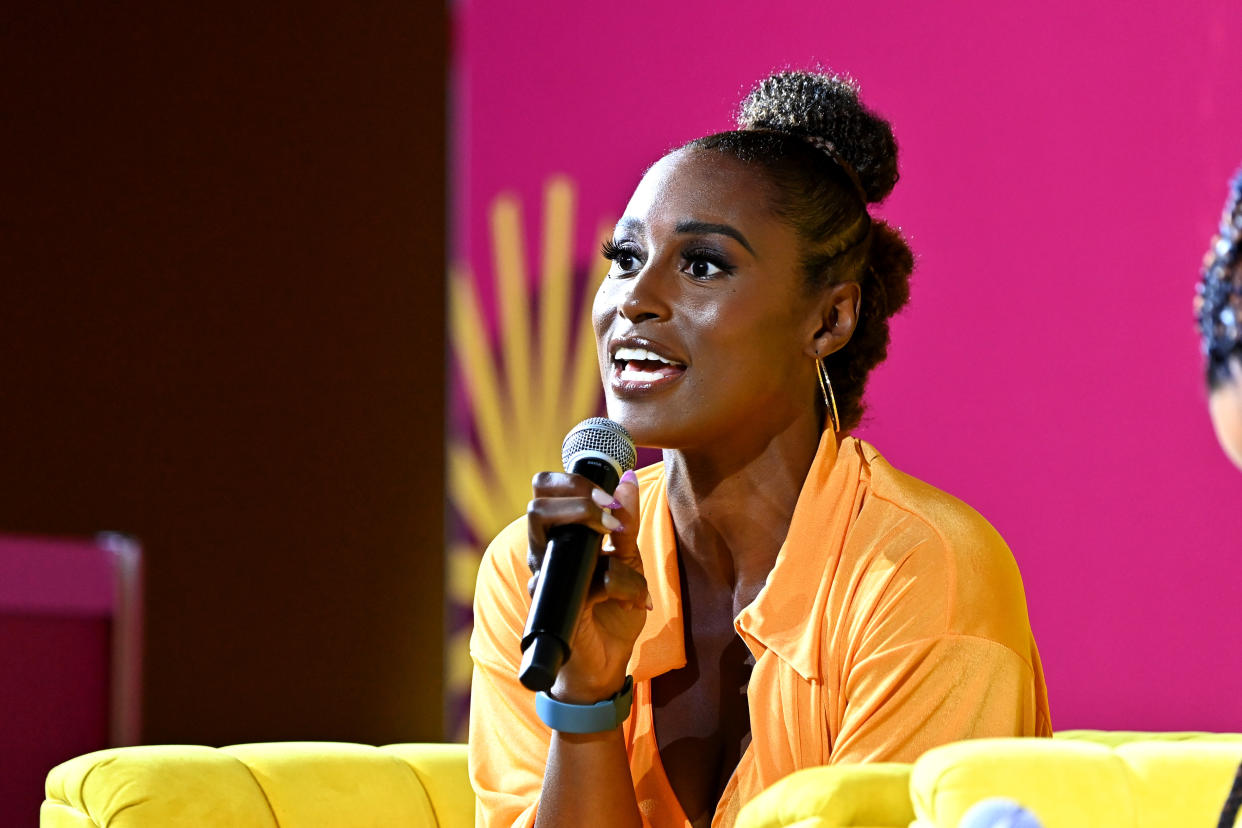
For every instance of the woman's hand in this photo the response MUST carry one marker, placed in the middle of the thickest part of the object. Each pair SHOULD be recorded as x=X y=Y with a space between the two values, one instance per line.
x=616 y=606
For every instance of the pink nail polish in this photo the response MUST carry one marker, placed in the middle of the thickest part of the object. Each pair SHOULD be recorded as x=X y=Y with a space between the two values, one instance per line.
x=616 y=504
x=629 y=477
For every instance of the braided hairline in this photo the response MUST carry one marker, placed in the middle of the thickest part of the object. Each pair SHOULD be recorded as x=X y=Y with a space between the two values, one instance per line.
x=830 y=149
x=827 y=148
x=815 y=266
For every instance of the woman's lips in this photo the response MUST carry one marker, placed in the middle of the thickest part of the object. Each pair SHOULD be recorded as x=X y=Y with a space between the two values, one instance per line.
x=646 y=372
x=638 y=369
x=629 y=378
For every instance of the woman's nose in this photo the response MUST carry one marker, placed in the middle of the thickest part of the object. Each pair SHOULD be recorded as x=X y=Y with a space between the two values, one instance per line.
x=644 y=297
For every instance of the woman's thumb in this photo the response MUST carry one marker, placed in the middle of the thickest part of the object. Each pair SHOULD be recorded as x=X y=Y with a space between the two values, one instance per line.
x=625 y=539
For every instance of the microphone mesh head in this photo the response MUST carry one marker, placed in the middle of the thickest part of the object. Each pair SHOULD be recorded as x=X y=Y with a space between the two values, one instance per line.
x=603 y=436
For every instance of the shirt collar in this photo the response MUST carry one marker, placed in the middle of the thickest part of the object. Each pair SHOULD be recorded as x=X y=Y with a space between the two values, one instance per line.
x=777 y=619
x=786 y=615
x=661 y=646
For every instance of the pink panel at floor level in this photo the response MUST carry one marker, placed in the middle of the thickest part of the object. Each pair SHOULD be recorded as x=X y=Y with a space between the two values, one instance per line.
x=54 y=702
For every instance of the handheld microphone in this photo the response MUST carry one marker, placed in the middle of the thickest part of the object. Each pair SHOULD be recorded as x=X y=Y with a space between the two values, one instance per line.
x=601 y=451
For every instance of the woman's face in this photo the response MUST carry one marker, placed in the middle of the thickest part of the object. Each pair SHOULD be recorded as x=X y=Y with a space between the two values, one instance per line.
x=1225 y=404
x=705 y=330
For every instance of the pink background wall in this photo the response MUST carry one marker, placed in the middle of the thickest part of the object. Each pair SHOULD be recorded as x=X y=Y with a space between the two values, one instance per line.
x=1063 y=165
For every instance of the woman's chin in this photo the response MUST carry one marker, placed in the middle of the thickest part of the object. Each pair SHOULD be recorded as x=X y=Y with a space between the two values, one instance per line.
x=649 y=426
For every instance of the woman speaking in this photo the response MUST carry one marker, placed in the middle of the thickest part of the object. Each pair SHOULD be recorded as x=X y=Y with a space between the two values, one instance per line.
x=774 y=595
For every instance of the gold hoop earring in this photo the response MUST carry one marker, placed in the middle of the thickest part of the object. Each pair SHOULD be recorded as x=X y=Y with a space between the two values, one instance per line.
x=825 y=388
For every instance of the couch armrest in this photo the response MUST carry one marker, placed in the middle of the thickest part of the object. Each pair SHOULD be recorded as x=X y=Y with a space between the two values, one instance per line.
x=1079 y=783
x=442 y=770
x=271 y=785
x=835 y=796
x=1116 y=738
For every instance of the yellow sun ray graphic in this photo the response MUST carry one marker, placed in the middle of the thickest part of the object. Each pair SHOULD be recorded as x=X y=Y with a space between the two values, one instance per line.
x=528 y=380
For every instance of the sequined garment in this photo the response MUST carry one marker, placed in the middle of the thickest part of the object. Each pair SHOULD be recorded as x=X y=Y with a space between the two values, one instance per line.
x=1218 y=300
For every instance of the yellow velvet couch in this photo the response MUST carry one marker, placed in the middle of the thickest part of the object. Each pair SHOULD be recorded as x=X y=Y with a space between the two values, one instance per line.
x=285 y=784
x=1081 y=779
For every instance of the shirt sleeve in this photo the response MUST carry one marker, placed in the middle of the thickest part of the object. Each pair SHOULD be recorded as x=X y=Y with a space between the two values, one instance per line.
x=508 y=748
x=946 y=654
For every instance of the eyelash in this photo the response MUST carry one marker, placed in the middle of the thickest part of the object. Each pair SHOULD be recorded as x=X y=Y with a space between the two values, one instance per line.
x=613 y=251
x=712 y=257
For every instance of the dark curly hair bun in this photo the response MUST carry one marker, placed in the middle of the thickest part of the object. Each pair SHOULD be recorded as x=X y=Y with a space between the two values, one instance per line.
x=826 y=107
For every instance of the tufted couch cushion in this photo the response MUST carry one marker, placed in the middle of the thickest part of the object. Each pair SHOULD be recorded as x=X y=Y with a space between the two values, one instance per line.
x=287 y=784
x=1079 y=779
x=1153 y=781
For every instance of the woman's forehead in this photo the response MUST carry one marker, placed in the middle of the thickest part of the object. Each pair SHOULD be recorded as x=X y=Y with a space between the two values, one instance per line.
x=701 y=185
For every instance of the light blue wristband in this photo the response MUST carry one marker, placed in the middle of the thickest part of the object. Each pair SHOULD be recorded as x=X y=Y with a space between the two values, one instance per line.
x=586 y=718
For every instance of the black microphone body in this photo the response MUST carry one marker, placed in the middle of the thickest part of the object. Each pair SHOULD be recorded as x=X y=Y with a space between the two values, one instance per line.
x=571 y=556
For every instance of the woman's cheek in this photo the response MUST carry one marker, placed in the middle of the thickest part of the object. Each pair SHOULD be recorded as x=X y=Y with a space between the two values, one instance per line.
x=603 y=309
x=1225 y=404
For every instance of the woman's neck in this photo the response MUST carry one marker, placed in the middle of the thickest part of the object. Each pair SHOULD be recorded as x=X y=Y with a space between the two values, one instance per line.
x=731 y=505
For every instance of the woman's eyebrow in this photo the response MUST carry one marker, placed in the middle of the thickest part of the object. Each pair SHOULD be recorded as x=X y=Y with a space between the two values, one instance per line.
x=703 y=228
x=632 y=224
x=691 y=226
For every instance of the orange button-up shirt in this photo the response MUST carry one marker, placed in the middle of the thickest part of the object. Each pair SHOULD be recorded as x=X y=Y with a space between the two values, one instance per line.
x=893 y=620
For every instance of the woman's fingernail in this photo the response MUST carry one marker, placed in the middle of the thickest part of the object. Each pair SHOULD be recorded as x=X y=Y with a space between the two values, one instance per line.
x=650 y=606
x=603 y=500
x=610 y=522
x=629 y=477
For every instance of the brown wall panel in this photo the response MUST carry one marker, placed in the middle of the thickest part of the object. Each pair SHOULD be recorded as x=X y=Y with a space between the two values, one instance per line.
x=222 y=331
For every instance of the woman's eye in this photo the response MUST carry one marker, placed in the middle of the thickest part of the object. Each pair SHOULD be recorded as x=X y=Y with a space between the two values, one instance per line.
x=702 y=269
x=624 y=263
x=624 y=260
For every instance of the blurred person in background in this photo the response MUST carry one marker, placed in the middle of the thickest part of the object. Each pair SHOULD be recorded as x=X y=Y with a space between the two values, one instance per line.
x=1218 y=306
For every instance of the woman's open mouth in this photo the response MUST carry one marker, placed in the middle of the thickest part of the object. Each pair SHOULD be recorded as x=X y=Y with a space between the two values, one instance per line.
x=639 y=369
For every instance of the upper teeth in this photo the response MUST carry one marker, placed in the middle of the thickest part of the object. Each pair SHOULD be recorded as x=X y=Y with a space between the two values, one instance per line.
x=640 y=354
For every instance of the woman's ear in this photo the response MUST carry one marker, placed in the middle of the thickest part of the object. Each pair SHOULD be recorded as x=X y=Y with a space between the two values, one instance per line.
x=837 y=319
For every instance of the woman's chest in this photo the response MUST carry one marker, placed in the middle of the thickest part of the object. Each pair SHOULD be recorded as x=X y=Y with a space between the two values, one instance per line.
x=700 y=713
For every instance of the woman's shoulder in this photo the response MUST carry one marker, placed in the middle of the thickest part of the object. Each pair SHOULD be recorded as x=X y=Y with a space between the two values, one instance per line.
x=929 y=543
x=503 y=573
x=940 y=516
x=507 y=546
